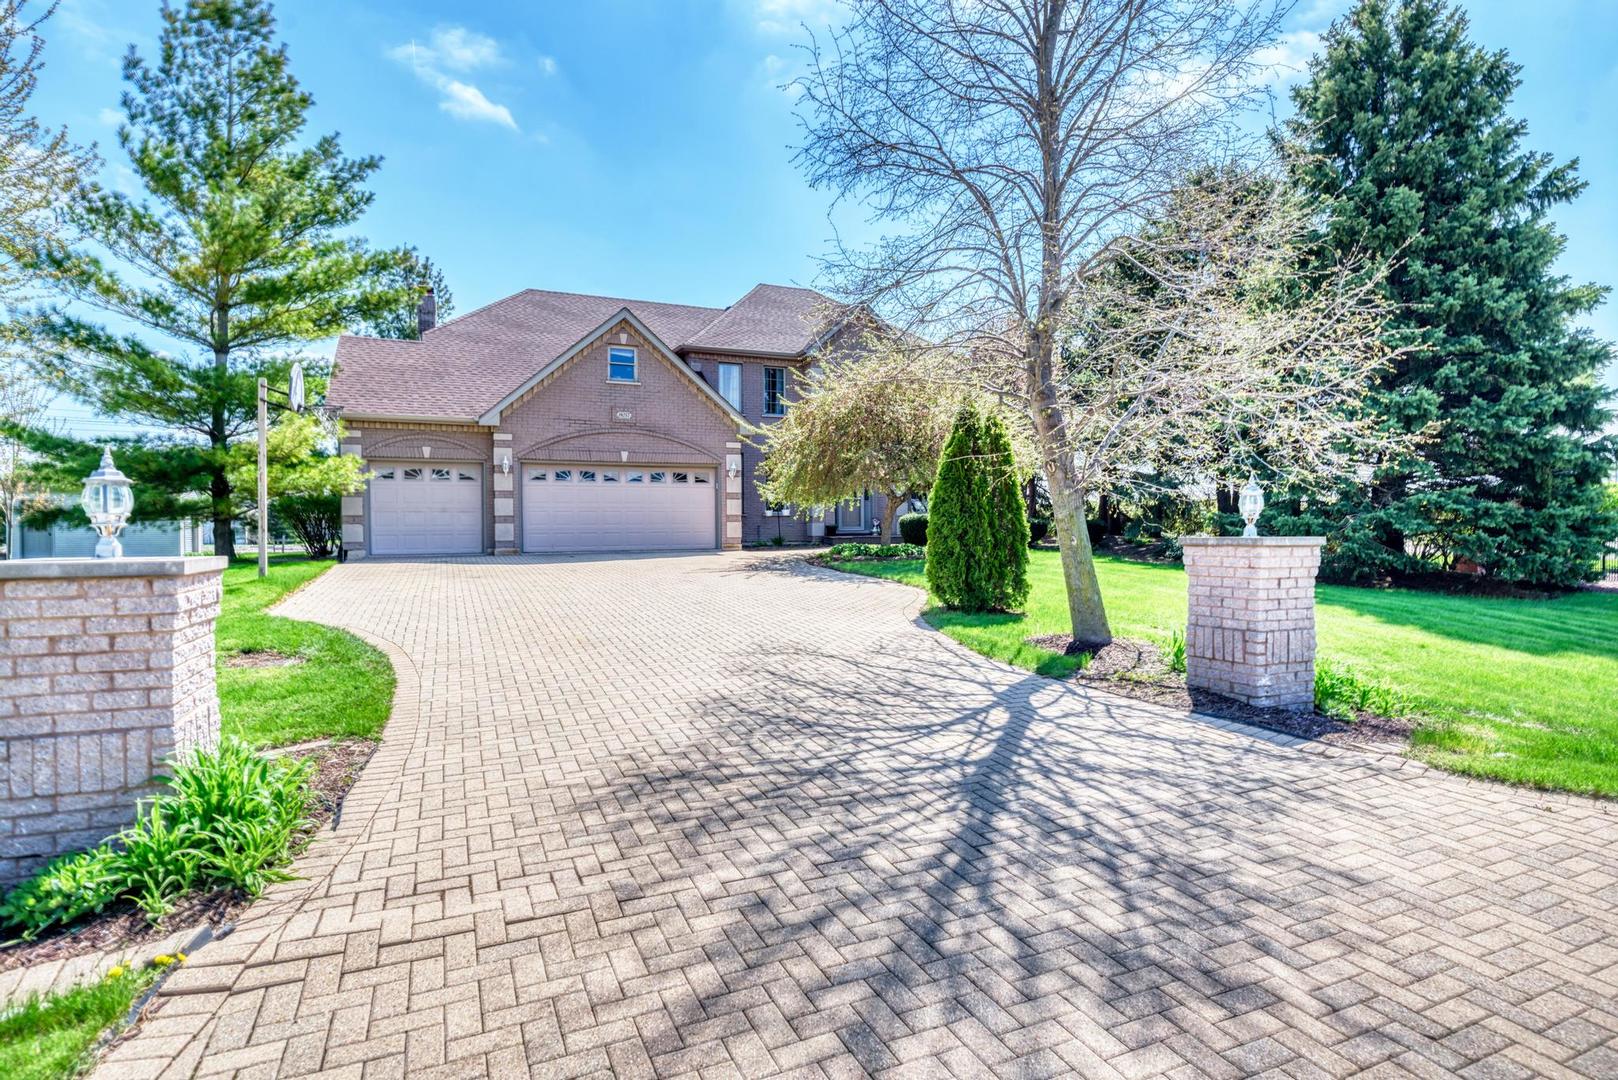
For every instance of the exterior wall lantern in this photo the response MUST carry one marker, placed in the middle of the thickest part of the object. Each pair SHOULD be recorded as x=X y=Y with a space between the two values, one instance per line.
x=1251 y=504
x=733 y=471
x=505 y=464
x=107 y=500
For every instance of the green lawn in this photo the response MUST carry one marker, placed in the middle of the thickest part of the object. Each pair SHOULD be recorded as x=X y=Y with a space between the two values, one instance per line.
x=50 y=1038
x=341 y=687
x=1518 y=690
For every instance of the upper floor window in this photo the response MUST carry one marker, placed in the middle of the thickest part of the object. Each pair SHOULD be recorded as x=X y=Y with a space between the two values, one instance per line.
x=730 y=384
x=775 y=391
x=621 y=364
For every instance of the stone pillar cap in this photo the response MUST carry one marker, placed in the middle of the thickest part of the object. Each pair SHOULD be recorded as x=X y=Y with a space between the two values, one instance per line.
x=1252 y=541
x=175 y=566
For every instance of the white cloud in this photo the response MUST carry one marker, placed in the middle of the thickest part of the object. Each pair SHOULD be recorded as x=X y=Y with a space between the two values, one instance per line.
x=453 y=48
x=457 y=49
x=787 y=16
x=547 y=64
x=109 y=117
x=1320 y=12
x=1288 y=58
x=466 y=102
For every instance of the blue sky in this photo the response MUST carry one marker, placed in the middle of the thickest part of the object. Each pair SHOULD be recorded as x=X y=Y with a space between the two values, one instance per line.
x=642 y=148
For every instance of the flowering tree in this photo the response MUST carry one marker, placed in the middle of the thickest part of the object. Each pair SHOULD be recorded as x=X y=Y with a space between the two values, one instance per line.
x=865 y=423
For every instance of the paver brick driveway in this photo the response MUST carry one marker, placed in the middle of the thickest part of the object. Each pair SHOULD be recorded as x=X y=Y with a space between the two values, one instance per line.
x=715 y=815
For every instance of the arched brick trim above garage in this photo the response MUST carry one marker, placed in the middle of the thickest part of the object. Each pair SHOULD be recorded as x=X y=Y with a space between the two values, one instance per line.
x=406 y=446
x=610 y=445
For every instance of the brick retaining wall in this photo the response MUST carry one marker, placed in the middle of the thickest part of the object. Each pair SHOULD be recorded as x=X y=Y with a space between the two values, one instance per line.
x=106 y=671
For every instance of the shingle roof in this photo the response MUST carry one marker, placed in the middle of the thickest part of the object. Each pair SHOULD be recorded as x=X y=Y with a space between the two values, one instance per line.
x=772 y=319
x=460 y=369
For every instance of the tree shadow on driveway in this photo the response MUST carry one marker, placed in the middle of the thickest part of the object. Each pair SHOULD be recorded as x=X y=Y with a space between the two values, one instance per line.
x=942 y=860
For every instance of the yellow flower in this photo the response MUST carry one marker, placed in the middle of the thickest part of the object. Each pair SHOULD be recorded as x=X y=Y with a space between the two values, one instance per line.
x=180 y=957
x=116 y=971
x=163 y=960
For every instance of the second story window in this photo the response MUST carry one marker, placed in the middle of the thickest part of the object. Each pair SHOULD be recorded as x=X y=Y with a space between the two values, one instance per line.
x=775 y=391
x=620 y=364
x=730 y=384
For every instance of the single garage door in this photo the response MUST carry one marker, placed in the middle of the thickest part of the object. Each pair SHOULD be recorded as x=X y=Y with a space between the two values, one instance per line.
x=573 y=508
x=426 y=509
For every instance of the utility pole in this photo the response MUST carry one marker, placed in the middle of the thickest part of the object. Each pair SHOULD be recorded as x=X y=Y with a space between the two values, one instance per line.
x=263 y=478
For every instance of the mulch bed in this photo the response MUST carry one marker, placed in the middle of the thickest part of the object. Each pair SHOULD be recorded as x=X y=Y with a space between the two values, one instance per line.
x=1138 y=669
x=337 y=766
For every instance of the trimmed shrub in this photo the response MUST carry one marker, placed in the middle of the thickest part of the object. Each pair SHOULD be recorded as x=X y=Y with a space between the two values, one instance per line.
x=875 y=551
x=977 y=528
x=913 y=529
x=1008 y=511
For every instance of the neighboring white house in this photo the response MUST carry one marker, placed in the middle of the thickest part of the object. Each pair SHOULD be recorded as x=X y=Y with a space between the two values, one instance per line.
x=67 y=541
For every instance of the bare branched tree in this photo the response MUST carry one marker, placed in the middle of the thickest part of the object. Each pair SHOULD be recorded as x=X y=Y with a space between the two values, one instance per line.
x=23 y=400
x=1212 y=345
x=38 y=167
x=1015 y=146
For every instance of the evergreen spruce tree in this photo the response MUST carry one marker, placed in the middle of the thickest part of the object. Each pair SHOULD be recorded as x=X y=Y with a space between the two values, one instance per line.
x=1008 y=518
x=237 y=247
x=977 y=526
x=1408 y=126
x=958 y=536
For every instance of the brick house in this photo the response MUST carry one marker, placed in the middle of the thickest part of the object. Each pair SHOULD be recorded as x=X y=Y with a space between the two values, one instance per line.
x=559 y=422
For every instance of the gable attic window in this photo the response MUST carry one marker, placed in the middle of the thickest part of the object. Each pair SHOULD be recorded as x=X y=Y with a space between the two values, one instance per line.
x=775 y=391
x=620 y=364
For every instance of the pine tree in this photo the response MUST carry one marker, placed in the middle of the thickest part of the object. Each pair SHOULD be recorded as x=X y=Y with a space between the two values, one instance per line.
x=237 y=248
x=1407 y=123
x=958 y=519
x=415 y=275
x=1008 y=518
x=977 y=527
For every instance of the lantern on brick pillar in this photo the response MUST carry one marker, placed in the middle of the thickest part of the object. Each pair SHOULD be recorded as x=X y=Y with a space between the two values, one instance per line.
x=107 y=501
x=1251 y=504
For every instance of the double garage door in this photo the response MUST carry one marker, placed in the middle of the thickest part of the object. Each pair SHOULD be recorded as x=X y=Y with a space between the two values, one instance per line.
x=593 y=508
x=422 y=509
x=425 y=509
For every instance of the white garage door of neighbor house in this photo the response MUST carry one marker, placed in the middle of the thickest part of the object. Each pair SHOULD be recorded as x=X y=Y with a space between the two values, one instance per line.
x=426 y=509
x=568 y=508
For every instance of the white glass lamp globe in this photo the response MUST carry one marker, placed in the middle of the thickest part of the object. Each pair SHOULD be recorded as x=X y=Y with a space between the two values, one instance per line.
x=107 y=501
x=1251 y=504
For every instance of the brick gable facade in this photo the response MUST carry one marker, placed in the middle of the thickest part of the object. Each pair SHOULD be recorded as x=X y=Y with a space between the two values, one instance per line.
x=505 y=388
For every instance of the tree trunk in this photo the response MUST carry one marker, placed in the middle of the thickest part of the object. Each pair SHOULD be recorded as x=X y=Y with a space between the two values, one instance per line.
x=1085 y=609
x=1084 y=605
x=224 y=541
x=890 y=510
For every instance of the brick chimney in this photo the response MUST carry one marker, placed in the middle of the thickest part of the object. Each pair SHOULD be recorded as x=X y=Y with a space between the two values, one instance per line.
x=426 y=313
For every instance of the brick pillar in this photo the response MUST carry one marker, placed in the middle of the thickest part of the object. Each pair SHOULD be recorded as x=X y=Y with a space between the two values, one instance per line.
x=353 y=504
x=505 y=502
x=732 y=539
x=106 y=671
x=1250 y=634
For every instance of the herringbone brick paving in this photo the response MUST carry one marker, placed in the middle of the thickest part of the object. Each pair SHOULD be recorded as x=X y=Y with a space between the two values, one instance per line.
x=728 y=816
